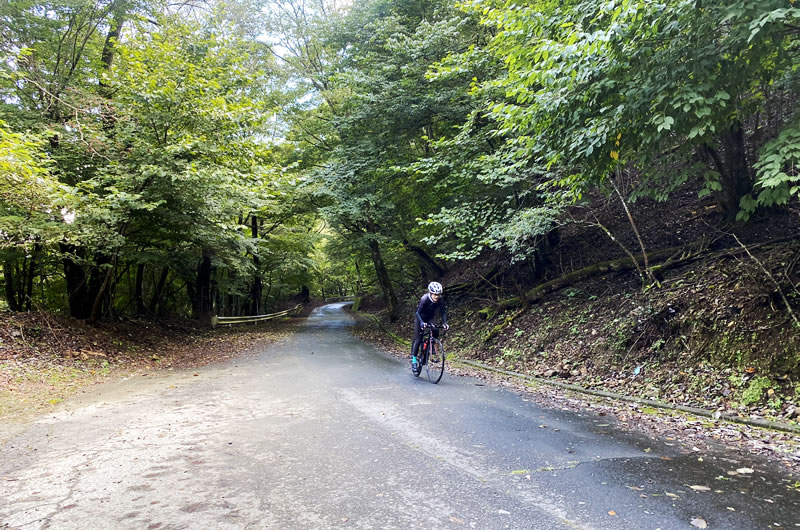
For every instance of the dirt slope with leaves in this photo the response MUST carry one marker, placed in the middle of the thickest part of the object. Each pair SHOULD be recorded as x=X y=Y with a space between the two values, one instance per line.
x=44 y=359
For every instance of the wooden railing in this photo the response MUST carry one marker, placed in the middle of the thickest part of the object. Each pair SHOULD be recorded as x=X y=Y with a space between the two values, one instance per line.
x=215 y=321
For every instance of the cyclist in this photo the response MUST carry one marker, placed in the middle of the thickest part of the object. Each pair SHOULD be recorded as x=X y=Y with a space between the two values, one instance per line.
x=426 y=311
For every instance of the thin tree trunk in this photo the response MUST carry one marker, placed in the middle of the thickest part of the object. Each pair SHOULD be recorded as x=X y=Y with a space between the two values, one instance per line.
x=389 y=296
x=30 y=275
x=431 y=269
x=229 y=300
x=156 y=299
x=638 y=236
x=139 y=290
x=107 y=56
x=75 y=276
x=360 y=284
x=202 y=310
x=20 y=288
x=11 y=295
x=739 y=181
x=257 y=287
x=99 y=302
x=98 y=281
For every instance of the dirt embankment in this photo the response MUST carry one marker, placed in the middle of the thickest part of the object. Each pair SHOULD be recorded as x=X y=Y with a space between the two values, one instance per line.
x=44 y=359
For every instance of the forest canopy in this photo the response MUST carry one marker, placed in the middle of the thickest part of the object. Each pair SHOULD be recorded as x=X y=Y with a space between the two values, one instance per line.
x=222 y=157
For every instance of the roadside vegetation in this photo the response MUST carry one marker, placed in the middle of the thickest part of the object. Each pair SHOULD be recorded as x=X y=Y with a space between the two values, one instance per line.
x=608 y=189
x=45 y=359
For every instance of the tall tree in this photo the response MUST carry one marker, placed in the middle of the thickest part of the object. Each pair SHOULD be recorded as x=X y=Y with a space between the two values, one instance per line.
x=667 y=87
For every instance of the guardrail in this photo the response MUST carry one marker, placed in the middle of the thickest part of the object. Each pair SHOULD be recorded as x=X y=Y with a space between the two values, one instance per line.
x=340 y=299
x=256 y=318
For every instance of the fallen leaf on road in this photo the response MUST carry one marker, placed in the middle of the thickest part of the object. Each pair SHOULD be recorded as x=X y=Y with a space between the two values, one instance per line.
x=700 y=488
x=744 y=470
x=456 y=520
x=612 y=513
x=699 y=523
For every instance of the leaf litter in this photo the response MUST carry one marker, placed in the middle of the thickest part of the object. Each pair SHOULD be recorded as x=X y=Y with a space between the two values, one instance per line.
x=45 y=358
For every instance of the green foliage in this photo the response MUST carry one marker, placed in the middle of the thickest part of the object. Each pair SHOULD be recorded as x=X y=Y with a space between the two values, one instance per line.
x=510 y=357
x=30 y=199
x=777 y=175
x=159 y=143
x=755 y=390
x=137 y=135
x=591 y=84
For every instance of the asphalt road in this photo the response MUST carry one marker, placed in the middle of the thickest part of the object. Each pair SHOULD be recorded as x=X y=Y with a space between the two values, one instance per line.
x=324 y=431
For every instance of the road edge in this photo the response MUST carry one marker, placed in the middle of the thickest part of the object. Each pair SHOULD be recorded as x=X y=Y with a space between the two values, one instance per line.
x=743 y=420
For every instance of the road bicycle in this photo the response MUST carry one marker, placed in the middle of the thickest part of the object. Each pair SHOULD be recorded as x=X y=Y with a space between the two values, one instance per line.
x=431 y=355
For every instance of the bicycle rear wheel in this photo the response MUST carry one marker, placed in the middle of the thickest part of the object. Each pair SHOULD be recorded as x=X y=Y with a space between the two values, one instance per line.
x=435 y=366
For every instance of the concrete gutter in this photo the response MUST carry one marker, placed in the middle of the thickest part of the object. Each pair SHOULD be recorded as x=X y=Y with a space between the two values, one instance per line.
x=754 y=422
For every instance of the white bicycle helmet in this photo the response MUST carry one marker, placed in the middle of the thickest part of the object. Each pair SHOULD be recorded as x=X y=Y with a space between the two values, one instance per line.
x=435 y=288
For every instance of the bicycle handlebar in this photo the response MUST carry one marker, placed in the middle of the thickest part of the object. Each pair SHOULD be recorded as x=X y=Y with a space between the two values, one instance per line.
x=442 y=329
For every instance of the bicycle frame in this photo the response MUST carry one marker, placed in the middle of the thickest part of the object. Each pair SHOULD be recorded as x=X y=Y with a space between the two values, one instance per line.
x=429 y=338
x=424 y=346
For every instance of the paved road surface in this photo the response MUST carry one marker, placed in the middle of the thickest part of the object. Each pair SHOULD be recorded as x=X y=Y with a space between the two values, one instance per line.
x=326 y=432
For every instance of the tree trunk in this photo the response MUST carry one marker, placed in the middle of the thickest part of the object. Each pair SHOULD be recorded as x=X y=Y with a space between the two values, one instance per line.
x=107 y=56
x=389 y=297
x=258 y=286
x=11 y=295
x=359 y=282
x=139 y=290
x=99 y=281
x=156 y=299
x=735 y=177
x=31 y=273
x=202 y=306
x=77 y=287
x=102 y=298
x=739 y=182
x=255 y=296
x=21 y=275
x=428 y=266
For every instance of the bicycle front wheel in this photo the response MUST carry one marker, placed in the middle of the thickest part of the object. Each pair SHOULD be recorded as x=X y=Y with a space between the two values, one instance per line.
x=435 y=366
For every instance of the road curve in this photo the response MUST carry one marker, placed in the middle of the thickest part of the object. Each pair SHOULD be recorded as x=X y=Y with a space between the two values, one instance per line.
x=325 y=431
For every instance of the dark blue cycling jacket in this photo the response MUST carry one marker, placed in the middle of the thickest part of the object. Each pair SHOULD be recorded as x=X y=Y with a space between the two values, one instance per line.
x=427 y=308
